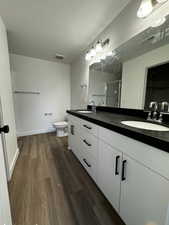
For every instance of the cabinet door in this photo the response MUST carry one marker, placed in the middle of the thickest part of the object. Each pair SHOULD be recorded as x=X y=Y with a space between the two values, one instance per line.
x=109 y=174
x=144 y=195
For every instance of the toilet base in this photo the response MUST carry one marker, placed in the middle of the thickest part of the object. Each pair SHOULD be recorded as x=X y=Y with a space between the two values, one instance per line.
x=61 y=132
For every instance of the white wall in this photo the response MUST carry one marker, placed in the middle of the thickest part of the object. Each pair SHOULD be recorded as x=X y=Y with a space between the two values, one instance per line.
x=7 y=99
x=135 y=74
x=79 y=76
x=122 y=29
x=52 y=80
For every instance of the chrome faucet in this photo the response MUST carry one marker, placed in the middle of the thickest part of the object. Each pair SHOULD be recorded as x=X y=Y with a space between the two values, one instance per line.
x=155 y=115
x=163 y=104
x=93 y=105
x=152 y=115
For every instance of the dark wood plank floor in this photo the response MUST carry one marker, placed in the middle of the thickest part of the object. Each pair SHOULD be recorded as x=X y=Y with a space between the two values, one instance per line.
x=50 y=187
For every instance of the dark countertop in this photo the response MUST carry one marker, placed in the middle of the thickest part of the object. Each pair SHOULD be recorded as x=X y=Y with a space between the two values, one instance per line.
x=112 y=121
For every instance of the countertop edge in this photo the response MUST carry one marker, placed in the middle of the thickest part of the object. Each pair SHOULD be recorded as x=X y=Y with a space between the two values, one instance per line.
x=152 y=141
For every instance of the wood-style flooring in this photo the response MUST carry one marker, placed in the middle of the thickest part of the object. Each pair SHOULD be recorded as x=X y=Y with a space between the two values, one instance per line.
x=50 y=187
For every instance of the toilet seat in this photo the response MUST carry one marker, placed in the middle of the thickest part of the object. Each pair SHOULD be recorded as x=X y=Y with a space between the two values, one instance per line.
x=61 y=124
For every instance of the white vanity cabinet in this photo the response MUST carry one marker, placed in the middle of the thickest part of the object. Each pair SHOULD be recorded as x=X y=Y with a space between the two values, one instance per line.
x=133 y=176
x=144 y=195
x=109 y=173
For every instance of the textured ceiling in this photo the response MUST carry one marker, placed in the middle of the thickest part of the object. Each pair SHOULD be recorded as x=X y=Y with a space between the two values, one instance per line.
x=42 y=28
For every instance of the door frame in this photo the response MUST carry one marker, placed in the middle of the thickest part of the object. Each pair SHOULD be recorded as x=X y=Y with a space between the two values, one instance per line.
x=4 y=142
x=5 y=209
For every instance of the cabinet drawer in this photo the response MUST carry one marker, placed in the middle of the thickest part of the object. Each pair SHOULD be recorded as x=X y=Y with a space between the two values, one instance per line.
x=84 y=125
x=88 y=127
x=89 y=164
x=73 y=119
x=89 y=143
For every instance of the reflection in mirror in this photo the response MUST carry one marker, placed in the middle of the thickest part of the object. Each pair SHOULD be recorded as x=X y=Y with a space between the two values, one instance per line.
x=157 y=89
x=121 y=80
x=105 y=82
x=146 y=50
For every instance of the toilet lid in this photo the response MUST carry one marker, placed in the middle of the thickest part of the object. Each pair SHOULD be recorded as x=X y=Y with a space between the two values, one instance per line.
x=62 y=123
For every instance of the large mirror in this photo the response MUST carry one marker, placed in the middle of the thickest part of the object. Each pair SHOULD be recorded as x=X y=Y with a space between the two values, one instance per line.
x=136 y=75
x=105 y=82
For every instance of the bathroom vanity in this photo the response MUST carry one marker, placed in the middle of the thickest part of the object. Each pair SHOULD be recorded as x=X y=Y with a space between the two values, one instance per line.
x=129 y=165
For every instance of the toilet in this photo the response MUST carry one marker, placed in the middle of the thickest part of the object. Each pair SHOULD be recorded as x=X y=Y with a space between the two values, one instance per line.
x=61 y=128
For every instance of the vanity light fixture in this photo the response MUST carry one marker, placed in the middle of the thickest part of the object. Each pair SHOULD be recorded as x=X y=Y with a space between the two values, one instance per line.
x=145 y=8
x=99 y=46
x=159 y=22
x=96 y=50
x=90 y=54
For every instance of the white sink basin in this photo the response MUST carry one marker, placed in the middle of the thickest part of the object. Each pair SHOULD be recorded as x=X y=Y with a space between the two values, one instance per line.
x=145 y=125
x=84 y=111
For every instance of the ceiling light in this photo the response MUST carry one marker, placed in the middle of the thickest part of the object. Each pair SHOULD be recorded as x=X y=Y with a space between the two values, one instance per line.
x=161 y=1
x=145 y=9
x=159 y=22
x=99 y=47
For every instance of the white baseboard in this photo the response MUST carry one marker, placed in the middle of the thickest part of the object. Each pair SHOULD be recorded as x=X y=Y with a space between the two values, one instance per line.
x=32 y=132
x=12 y=166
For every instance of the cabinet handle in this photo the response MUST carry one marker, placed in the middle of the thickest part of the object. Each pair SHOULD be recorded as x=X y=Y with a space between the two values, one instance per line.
x=123 y=177
x=72 y=129
x=87 y=127
x=87 y=143
x=85 y=161
x=117 y=165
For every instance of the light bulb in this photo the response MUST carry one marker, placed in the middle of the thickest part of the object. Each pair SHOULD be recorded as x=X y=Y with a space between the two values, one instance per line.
x=159 y=22
x=88 y=56
x=145 y=9
x=161 y=1
x=92 y=52
x=98 y=47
